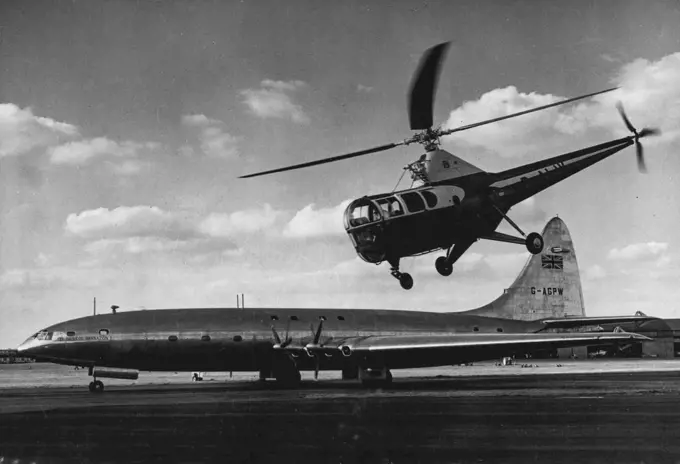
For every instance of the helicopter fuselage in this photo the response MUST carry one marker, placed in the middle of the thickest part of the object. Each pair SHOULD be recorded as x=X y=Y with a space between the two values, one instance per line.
x=447 y=212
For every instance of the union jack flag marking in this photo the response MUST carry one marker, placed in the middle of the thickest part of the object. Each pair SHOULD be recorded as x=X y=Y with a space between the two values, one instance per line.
x=552 y=262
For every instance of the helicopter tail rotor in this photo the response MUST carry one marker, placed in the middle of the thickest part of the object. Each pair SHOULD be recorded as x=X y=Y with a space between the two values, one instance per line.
x=647 y=131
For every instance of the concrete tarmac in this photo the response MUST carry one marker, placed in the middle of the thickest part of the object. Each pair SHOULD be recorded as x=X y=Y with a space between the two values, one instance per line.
x=593 y=417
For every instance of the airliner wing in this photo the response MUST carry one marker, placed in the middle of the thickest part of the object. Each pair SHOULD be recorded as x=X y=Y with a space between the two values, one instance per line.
x=440 y=349
x=569 y=322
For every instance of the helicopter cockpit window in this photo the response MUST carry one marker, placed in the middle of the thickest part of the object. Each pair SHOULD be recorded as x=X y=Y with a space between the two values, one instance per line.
x=430 y=198
x=364 y=214
x=414 y=202
x=390 y=207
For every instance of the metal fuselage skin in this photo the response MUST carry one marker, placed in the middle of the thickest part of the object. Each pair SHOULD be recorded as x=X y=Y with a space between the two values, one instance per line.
x=227 y=339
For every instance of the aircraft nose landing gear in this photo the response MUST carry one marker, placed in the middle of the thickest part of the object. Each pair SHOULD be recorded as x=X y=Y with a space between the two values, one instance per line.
x=96 y=386
x=405 y=279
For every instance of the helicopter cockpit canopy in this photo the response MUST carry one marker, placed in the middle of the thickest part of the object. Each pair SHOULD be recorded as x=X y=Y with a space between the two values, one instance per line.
x=363 y=223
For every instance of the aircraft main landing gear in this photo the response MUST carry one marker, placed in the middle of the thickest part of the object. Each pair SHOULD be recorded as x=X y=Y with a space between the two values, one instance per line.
x=405 y=279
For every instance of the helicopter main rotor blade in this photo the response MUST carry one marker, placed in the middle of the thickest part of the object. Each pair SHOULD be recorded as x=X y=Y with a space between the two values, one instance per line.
x=514 y=115
x=327 y=160
x=424 y=88
x=640 y=157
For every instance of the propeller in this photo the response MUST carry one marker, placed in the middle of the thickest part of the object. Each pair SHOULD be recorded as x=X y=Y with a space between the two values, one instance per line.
x=420 y=111
x=315 y=344
x=639 y=151
x=287 y=341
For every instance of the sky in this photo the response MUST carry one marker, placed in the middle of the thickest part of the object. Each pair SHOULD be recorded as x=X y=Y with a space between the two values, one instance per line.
x=124 y=127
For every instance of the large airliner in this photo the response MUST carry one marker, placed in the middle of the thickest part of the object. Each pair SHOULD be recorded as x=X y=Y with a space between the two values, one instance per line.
x=364 y=344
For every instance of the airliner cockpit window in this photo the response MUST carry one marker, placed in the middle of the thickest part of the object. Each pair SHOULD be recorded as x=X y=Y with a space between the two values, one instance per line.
x=44 y=336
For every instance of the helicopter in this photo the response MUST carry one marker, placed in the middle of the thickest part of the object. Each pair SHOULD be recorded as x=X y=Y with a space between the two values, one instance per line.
x=452 y=203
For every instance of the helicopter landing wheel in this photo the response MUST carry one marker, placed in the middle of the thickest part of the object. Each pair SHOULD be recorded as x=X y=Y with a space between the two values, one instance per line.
x=534 y=243
x=443 y=266
x=406 y=281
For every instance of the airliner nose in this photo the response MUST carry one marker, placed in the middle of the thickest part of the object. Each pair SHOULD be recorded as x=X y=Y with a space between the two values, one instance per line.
x=26 y=346
x=30 y=344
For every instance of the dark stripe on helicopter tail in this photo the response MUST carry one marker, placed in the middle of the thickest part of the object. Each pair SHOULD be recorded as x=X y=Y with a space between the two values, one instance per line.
x=520 y=183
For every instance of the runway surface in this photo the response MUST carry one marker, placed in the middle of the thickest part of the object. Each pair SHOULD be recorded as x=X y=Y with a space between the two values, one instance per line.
x=569 y=417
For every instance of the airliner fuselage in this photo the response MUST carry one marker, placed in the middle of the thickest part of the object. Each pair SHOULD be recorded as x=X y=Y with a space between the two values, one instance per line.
x=227 y=339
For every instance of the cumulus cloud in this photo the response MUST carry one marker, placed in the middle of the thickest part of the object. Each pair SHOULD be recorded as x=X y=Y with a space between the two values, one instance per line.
x=638 y=251
x=214 y=140
x=127 y=221
x=239 y=222
x=45 y=278
x=274 y=99
x=648 y=90
x=595 y=272
x=129 y=167
x=21 y=131
x=194 y=120
x=82 y=151
x=310 y=222
x=135 y=245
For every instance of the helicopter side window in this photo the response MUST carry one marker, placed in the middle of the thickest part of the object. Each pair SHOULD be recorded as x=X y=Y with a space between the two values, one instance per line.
x=430 y=198
x=414 y=202
x=390 y=207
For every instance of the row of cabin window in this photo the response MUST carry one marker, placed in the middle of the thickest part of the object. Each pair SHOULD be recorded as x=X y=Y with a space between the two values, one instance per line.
x=414 y=202
x=273 y=317
x=205 y=338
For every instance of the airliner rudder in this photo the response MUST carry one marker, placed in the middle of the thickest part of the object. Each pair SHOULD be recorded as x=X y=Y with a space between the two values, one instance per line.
x=364 y=344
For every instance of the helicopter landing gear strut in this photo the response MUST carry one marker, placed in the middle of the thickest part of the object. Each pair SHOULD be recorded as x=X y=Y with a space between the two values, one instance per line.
x=533 y=241
x=405 y=279
x=444 y=264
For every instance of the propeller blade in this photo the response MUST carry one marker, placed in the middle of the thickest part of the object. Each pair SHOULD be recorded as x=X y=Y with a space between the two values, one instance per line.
x=327 y=160
x=424 y=88
x=622 y=112
x=316 y=368
x=514 y=115
x=640 y=157
x=276 y=336
x=649 y=131
x=317 y=336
